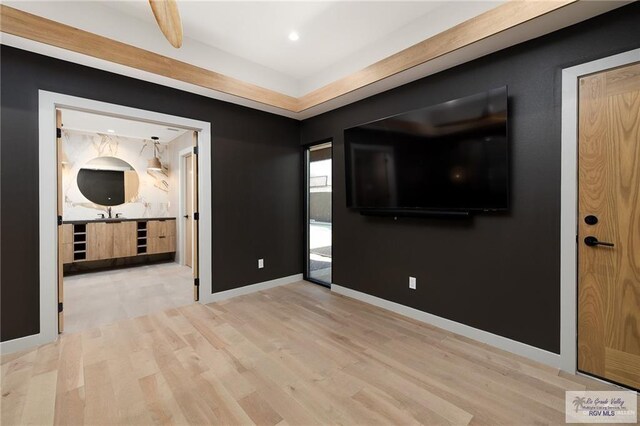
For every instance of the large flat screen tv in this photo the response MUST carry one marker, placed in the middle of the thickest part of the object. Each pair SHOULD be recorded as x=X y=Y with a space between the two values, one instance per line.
x=447 y=157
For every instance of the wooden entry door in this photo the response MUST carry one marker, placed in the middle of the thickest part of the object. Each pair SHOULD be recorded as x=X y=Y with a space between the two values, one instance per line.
x=188 y=214
x=609 y=225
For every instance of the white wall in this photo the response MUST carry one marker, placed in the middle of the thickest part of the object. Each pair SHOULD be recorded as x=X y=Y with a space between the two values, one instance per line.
x=153 y=198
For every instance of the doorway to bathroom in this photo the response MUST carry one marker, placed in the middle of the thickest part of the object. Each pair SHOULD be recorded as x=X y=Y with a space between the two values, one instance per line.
x=127 y=215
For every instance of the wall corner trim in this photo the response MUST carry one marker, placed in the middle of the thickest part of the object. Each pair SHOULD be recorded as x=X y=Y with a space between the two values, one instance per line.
x=23 y=343
x=515 y=347
x=251 y=288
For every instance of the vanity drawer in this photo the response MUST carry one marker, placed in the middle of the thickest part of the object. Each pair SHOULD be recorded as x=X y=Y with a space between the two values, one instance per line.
x=161 y=244
x=161 y=228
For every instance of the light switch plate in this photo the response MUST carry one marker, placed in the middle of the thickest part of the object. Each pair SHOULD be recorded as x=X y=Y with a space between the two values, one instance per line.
x=260 y=263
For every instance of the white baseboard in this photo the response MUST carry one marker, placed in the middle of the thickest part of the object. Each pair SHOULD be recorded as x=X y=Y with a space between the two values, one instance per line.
x=518 y=348
x=23 y=343
x=252 y=288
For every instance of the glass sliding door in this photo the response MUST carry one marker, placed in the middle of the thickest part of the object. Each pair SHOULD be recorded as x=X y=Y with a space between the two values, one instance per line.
x=318 y=213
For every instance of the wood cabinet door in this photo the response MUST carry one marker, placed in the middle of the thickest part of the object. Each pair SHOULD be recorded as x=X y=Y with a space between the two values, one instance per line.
x=67 y=253
x=153 y=228
x=100 y=240
x=67 y=233
x=171 y=243
x=124 y=239
x=156 y=245
x=66 y=244
x=153 y=245
x=170 y=228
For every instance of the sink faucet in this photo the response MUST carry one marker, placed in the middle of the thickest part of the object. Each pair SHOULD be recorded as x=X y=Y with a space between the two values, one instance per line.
x=109 y=211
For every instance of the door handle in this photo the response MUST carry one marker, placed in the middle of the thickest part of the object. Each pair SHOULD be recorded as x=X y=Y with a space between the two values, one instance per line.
x=593 y=242
x=186 y=216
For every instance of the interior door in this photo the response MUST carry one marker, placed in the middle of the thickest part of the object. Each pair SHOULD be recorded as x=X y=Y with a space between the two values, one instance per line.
x=188 y=214
x=194 y=233
x=61 y=238
x=609 y=225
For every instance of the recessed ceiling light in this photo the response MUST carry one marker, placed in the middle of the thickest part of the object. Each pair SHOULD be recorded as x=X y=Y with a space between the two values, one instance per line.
x=293 y=36
x=111 y=131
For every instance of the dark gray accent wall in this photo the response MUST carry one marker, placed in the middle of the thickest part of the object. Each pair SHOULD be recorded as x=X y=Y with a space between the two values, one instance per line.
x=495 y=272
x=256 y=186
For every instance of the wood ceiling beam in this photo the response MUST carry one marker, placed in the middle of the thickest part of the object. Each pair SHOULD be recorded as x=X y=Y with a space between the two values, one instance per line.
x=492 y=22
x=33 y=27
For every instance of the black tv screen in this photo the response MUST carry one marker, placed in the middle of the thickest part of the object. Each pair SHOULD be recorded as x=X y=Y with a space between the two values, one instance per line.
x=447 y=157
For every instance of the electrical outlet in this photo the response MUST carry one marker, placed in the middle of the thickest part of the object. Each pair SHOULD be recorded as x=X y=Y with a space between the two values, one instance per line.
x=260 y=263
x=412 y=283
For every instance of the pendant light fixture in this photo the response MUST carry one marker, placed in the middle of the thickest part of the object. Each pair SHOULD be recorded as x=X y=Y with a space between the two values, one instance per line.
x=154 y=163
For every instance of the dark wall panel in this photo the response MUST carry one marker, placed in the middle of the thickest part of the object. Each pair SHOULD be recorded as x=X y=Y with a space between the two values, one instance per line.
x=256 y=178
x=495 y=272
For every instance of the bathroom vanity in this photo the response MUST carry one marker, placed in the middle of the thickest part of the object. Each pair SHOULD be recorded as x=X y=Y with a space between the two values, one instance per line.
x=102 y=239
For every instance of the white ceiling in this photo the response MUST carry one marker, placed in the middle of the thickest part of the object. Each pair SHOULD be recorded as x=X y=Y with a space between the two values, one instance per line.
x=258 y=31
x=95 y=123
x=249 y=39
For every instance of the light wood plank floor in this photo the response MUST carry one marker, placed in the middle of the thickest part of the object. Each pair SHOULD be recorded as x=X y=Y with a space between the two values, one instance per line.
x=292 y=355
x=93 y=299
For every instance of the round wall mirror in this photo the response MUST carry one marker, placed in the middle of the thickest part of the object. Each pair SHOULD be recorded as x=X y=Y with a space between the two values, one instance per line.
x=108 y=181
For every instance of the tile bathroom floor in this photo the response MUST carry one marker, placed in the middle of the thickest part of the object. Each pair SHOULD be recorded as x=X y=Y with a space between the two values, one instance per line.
x=98 y=298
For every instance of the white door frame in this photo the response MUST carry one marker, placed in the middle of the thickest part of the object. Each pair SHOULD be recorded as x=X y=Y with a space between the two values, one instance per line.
x=569 y=201
x=181 y=202
x=48 y=102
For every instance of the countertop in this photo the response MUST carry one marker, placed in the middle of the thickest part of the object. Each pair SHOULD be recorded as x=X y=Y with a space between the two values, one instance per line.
x=113 y=219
